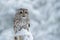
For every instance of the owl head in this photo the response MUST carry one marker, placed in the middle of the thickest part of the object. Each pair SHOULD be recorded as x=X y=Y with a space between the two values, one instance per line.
x=23 y=12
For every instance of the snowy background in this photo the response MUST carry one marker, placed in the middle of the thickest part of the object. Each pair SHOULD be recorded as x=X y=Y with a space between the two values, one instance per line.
x=44 y=18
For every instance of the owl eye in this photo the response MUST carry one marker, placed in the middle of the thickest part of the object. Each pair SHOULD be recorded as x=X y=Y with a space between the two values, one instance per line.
x=21 y=12
x=26 y=12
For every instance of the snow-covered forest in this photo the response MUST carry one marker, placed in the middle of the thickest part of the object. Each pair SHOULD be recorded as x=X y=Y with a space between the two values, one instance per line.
x=44 y=18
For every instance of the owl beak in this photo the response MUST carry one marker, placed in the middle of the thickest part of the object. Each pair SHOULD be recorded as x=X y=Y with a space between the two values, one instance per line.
x=23 y=16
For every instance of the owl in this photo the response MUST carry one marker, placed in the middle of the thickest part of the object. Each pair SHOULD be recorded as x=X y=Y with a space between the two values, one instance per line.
x=21 y=20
